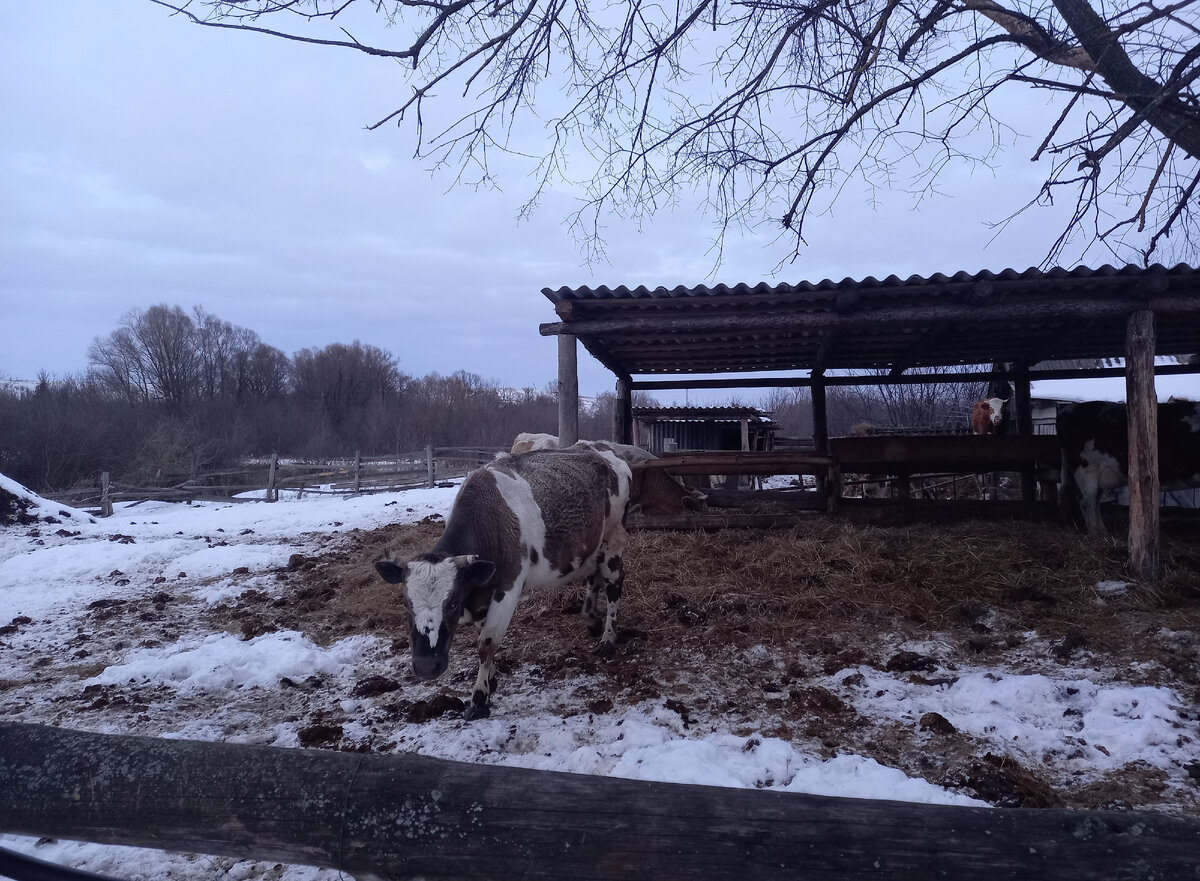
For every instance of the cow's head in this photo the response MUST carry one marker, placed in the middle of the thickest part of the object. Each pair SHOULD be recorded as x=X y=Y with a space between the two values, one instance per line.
x=653 y=491
x=439 y=592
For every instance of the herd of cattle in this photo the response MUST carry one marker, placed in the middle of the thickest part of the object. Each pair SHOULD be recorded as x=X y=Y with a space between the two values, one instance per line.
x=541 y=516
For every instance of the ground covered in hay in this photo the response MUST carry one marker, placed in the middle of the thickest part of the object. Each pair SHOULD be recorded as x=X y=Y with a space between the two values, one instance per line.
x=791 y=634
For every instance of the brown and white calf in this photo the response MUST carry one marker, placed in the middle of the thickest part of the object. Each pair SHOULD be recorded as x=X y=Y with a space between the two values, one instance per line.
x=528 y=441
x=989 y=416
x=541 y=519
x=1094 y=440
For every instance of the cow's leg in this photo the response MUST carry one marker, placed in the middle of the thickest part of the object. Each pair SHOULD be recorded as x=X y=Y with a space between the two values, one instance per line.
x=591 y=603
x=499 y=614
x=610 y=572
x=1087 y=484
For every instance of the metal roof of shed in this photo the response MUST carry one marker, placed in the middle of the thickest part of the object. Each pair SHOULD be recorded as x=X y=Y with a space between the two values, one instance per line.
x=936 y=321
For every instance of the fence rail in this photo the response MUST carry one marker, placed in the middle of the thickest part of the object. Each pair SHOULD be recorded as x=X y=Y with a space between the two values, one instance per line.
x=408 y=816
x=343 y=476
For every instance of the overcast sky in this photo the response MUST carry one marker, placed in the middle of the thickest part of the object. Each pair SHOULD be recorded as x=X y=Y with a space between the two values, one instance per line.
x=145 y=160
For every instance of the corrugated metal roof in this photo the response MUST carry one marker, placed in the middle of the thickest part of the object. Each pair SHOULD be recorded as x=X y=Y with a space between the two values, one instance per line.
x=892 y=323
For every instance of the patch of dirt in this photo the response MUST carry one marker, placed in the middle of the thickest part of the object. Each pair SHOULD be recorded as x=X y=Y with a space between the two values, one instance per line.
x=14 y=510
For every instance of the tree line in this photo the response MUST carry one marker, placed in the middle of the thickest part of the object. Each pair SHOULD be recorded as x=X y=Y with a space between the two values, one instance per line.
x=171 y=393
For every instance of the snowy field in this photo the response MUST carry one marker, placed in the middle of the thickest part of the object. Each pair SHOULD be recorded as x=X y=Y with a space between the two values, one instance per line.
x=182 y=677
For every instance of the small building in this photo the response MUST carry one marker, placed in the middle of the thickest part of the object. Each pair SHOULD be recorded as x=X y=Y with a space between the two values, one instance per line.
x=675 y=429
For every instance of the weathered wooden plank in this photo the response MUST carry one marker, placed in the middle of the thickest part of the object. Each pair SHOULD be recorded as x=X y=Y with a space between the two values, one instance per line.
x=735 y=462
x=943 y=452
x=407 y=816
x=903 y=379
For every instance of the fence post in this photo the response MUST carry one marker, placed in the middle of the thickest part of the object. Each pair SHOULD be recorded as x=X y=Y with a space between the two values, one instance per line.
x=106 y=506
x=357 y=471
x=429 y=463
x=272 y=492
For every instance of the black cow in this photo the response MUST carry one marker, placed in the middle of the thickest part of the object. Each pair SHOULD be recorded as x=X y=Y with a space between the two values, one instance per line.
x=1094 y=439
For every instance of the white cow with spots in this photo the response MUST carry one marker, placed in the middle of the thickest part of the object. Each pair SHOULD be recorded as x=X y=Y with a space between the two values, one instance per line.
x=541 y=519
x=1094 y=439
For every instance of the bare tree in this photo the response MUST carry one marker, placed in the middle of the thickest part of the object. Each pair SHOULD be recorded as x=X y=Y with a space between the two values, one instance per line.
x=151 y=358
x=771 y=108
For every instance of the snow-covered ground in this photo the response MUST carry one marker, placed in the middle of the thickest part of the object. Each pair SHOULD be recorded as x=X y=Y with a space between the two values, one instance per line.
x=52 y=570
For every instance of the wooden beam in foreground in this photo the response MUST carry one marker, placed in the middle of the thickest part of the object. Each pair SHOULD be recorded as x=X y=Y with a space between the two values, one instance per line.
x=406 y=816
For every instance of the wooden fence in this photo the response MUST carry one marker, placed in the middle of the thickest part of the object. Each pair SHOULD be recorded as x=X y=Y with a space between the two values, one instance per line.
x=407 y=816
x=271 y=477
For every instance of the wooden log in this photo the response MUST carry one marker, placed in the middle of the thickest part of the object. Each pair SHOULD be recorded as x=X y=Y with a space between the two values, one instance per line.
x=1142 y=415
x=407 y=816
x=568 y=390
x=623 y=413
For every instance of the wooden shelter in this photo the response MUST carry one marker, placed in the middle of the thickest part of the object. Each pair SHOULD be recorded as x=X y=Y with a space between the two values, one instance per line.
x=667 y=429
x=891 y=329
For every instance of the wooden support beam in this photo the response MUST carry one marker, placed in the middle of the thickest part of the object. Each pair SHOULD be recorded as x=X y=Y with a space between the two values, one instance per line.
x=1023 y=407
x=623 y=413
x=1142 y=413
x=409 y=816
x=749 y=382
x=568 y=390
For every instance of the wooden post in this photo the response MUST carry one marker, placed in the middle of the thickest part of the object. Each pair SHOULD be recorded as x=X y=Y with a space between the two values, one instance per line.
x=1142 y=413
x=106 y=505
x=623 y=413
x=411 y=816
x=568 y=390
x=429 y=464
x=1023 y=412
x=357 y=470
x=820 y=416
x=272 y=490
x=825 y=486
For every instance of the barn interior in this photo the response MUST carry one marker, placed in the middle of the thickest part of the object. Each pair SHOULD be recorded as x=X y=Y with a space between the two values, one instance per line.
x=981 y=327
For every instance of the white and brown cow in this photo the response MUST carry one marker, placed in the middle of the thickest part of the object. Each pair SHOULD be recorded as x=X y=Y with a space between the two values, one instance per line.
x=1094 y=440
x=541 y=519
x=989 y=416
x=527 y=442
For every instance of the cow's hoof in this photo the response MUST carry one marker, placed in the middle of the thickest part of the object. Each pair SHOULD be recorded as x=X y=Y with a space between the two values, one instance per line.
x=606 y=649
x=474 y=711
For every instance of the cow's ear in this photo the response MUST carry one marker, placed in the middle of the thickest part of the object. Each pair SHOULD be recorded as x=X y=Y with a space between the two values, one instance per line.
x=477 y=572
x=391 y=572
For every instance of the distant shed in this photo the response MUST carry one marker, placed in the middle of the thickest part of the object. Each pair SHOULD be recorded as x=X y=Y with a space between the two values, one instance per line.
x=872 y=331
x=672 y=429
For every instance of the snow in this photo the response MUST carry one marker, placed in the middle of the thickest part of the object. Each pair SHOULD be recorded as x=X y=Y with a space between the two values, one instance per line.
x=51 y=575
x=1112 y=388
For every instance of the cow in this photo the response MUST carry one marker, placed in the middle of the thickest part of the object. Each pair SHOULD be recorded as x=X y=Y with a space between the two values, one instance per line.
x=540 y=519
x=527 y=442
x=1094 y=442
x=653 y=491
x=989 y=416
